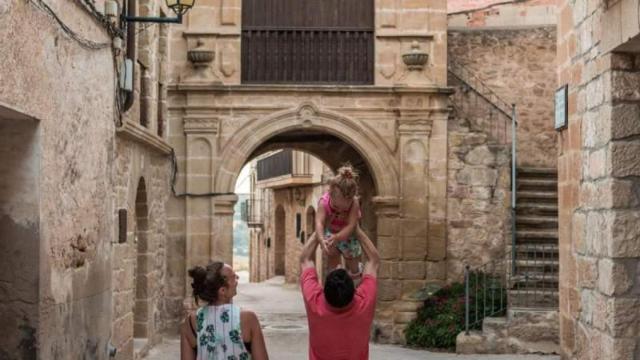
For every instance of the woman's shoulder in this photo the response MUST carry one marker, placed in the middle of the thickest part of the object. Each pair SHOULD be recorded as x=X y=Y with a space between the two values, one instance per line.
x=249 y=317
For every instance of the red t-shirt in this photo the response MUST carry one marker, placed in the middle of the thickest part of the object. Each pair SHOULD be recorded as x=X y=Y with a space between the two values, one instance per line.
x=338 y=335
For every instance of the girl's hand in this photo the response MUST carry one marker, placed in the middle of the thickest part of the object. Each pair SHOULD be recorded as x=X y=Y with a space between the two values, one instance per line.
x=330 y=240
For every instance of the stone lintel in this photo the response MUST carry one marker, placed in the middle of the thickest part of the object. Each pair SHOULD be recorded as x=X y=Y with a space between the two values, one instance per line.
x=142 y=135
x=275 y=88
x=215 y=33
x=199 y=125
x=397 y=34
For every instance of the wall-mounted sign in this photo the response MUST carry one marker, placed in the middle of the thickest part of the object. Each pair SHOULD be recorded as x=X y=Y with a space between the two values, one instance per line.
x=562 y=107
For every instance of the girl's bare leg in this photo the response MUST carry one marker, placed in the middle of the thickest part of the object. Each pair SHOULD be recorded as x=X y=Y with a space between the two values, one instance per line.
x=333 y=258
x=353 y=265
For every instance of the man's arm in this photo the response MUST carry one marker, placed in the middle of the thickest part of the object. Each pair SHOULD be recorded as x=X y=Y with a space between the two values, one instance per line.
x=308 y=253
x=373 y=258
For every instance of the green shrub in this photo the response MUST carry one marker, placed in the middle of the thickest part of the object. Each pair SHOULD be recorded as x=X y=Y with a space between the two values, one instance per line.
x=441 y=317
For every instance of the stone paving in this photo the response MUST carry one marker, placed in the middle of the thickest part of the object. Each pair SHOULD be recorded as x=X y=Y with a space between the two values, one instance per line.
x=281 y=312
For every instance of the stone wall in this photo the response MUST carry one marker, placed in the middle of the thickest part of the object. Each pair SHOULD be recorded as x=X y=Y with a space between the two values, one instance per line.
x=70 y=91
x=20 y=236
x=478 y=198
x=139 y=271
x=598 y=180
x=519 y=65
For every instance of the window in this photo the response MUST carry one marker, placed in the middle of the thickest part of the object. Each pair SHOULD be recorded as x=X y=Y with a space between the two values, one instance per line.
x=307 y=41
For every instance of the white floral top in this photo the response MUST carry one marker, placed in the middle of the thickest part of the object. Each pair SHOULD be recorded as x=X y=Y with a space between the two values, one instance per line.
x=219 y=334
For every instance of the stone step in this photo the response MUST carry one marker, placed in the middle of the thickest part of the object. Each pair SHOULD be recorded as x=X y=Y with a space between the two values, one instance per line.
x=536 y=263
x=537 y=184
x=536 y=221
x=530 y=172
x=537 y=234
x=533 y=208
x=533 y=299
x=534 y=278
x=537 y=196
x=537 y=248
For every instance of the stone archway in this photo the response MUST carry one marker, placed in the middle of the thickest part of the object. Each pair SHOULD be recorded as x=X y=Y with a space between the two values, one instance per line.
x=141 y=280
x=399 y=153
x=279 y=245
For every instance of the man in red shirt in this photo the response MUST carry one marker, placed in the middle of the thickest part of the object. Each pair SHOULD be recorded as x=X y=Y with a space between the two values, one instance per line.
x=339 y=315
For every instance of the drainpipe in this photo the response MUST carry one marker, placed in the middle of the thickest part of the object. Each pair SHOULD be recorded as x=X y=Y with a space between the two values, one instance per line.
x=131 y=50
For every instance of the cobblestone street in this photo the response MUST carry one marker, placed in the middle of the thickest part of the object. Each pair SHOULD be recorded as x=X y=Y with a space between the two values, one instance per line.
x=281 y=312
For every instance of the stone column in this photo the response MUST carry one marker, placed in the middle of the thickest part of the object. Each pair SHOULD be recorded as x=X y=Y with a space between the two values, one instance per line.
x=201 y=134
x=221 y=247
x=414 y=130
x=438 y=155
x=389 y=286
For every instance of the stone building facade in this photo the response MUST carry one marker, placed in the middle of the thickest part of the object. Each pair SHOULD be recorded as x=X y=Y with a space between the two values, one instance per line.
x=598 y=47
x=85 y=181
x=387 y=129
x=281 y=214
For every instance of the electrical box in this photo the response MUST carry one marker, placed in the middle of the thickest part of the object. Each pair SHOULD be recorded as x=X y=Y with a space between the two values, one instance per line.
x=126 y=75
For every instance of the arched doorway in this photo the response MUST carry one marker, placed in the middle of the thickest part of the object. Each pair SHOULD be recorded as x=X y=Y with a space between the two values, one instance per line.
x=280 y=241
x=141 y=281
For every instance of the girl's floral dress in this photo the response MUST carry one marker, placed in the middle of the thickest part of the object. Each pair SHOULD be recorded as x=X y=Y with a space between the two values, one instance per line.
x=219 y=336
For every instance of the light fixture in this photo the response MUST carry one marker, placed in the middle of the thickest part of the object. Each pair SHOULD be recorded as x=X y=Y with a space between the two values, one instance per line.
x=180 y=7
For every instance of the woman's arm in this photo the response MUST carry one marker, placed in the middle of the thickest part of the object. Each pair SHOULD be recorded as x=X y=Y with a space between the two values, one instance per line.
x=351 y=224
x=258 y=346
x=187 y=339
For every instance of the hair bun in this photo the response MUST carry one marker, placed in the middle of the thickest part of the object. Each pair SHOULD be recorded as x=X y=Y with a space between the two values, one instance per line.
x=199 y=276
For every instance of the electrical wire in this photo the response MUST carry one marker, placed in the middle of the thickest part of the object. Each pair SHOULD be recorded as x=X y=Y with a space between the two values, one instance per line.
x=486 y=7
x=82 y=41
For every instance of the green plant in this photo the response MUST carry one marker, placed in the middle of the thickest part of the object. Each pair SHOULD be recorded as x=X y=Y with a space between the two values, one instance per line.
x=442 y=316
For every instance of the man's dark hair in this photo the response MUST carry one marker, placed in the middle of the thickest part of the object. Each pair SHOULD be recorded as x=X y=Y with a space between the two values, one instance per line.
x=339 y=288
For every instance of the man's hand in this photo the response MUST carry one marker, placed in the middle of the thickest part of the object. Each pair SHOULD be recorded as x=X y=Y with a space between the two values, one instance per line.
x=328 y=242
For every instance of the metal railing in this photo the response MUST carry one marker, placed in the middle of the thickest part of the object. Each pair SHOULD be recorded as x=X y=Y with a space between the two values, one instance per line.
x=485 y=292
x=278 y=164
x=482 y=107
x=250 y=211
x=534 y=281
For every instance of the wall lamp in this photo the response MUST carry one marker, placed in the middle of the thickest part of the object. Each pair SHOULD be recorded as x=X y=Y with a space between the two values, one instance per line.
x=180 y=7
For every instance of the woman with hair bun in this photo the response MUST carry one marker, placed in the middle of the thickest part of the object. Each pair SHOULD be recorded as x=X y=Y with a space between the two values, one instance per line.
x=219 y=330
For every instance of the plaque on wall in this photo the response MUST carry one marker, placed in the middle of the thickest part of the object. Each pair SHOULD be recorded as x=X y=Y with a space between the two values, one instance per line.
x=561 y=107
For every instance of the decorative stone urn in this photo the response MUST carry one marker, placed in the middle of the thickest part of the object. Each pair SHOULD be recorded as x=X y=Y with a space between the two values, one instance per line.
x=200 y=56
x=416 y=59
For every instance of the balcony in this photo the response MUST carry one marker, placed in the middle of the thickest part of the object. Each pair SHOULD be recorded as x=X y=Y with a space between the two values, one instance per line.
x=283 y=169
x=251 y=212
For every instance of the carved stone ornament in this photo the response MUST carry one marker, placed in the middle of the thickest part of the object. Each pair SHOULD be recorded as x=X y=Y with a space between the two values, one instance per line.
x=200 y=56
x=415 y=59
x=201 y=72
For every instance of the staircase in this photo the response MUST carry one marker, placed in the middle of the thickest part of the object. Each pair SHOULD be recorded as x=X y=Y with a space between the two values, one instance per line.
x=533 y=284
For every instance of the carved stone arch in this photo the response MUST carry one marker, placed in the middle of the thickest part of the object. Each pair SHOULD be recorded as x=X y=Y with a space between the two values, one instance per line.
x=307 y=116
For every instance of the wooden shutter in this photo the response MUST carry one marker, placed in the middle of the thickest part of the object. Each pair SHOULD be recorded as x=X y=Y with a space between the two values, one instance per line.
x=307 y=41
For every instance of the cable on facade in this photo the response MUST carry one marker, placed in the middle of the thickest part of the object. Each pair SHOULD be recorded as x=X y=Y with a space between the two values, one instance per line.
x=174 y=175
x=469 y=11
x=82 y=41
